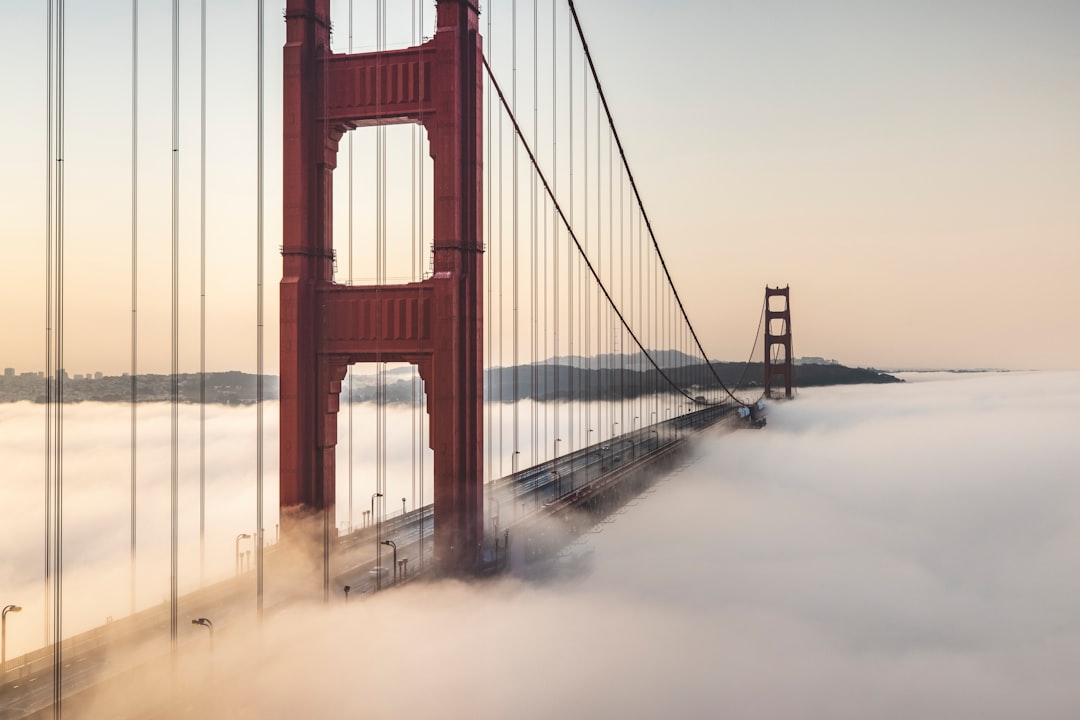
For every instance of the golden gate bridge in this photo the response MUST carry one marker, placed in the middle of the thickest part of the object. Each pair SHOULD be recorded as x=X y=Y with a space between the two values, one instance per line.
x=495 y=252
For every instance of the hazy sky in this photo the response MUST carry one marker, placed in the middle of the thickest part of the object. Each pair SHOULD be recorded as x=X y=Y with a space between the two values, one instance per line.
x=911 y=169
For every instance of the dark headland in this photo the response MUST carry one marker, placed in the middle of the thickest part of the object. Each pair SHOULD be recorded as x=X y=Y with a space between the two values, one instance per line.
x=604 y=378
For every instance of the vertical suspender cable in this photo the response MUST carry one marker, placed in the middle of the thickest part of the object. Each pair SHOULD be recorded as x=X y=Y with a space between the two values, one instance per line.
x=501 y=325
x=350 y=384
x=134 y=280
x=412 y=267
x=622 y=298
x=202 y=292
x=535 y=270
x=58 y=437
x=57 y=299
x=260 y=139
x=380 y=271
x=174 y=450
x=603 y=426
x=570 y=366
x=514 y=235
x=586 y=288
x=488 y=396
x=555 y=297
x=49 y=335
x=419 y=273
x=327 y=521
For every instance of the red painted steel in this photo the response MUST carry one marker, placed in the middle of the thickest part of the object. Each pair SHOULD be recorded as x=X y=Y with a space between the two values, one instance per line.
x=782 y=367
x=437 y=323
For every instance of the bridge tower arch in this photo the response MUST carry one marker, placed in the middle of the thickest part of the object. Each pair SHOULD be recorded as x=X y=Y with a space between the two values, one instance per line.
x=436 y=323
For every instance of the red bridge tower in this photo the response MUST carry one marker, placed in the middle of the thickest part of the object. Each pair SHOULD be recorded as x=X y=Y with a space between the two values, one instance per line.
x=778 y=335
x=437 y=323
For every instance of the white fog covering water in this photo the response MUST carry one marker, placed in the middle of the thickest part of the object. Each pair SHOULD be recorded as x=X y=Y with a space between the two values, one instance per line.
x=877 y=552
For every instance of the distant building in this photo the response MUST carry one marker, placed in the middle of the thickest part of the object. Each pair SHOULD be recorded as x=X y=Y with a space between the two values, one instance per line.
x=811 y=360
x=9 y=373
x=98 y=375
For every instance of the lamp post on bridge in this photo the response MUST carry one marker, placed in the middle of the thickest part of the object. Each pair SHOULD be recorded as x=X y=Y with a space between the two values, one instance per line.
x=239 y=537
x=378 y=547
x=393 y=545
x=3 y=632
x=205 y=622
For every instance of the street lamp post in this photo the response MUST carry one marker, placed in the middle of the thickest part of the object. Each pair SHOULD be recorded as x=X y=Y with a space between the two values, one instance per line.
x=402 y=507
x=393 y=545
x=378 y=547
x=347 y=589
x=3 y=632
x=205 y=622
x=372 y=511
x=239 y=537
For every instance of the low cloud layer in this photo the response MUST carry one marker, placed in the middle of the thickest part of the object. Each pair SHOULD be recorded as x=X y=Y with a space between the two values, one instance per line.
x=876 y=552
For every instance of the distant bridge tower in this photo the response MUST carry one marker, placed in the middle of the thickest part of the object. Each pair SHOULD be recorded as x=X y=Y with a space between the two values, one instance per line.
x=778 y=335
x=435 y=324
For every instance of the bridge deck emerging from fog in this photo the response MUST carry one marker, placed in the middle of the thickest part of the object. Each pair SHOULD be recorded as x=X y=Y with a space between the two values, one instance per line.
x=533 y=514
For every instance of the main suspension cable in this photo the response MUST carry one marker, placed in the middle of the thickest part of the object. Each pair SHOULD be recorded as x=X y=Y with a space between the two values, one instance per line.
x=637 y=194
x=573 y=235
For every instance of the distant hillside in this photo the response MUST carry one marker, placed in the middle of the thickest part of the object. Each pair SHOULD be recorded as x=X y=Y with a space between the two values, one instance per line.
x=542 y=382
x=561 y=382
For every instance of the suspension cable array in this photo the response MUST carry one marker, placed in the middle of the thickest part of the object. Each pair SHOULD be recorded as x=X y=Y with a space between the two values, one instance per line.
x=607 y=310
x=587 y=339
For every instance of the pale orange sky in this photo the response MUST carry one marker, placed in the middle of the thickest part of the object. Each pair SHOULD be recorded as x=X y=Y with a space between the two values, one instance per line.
x=912 y=170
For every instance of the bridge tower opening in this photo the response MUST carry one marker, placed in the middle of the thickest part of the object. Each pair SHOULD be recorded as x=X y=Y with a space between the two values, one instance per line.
x=436 y=323
x=778 y=360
